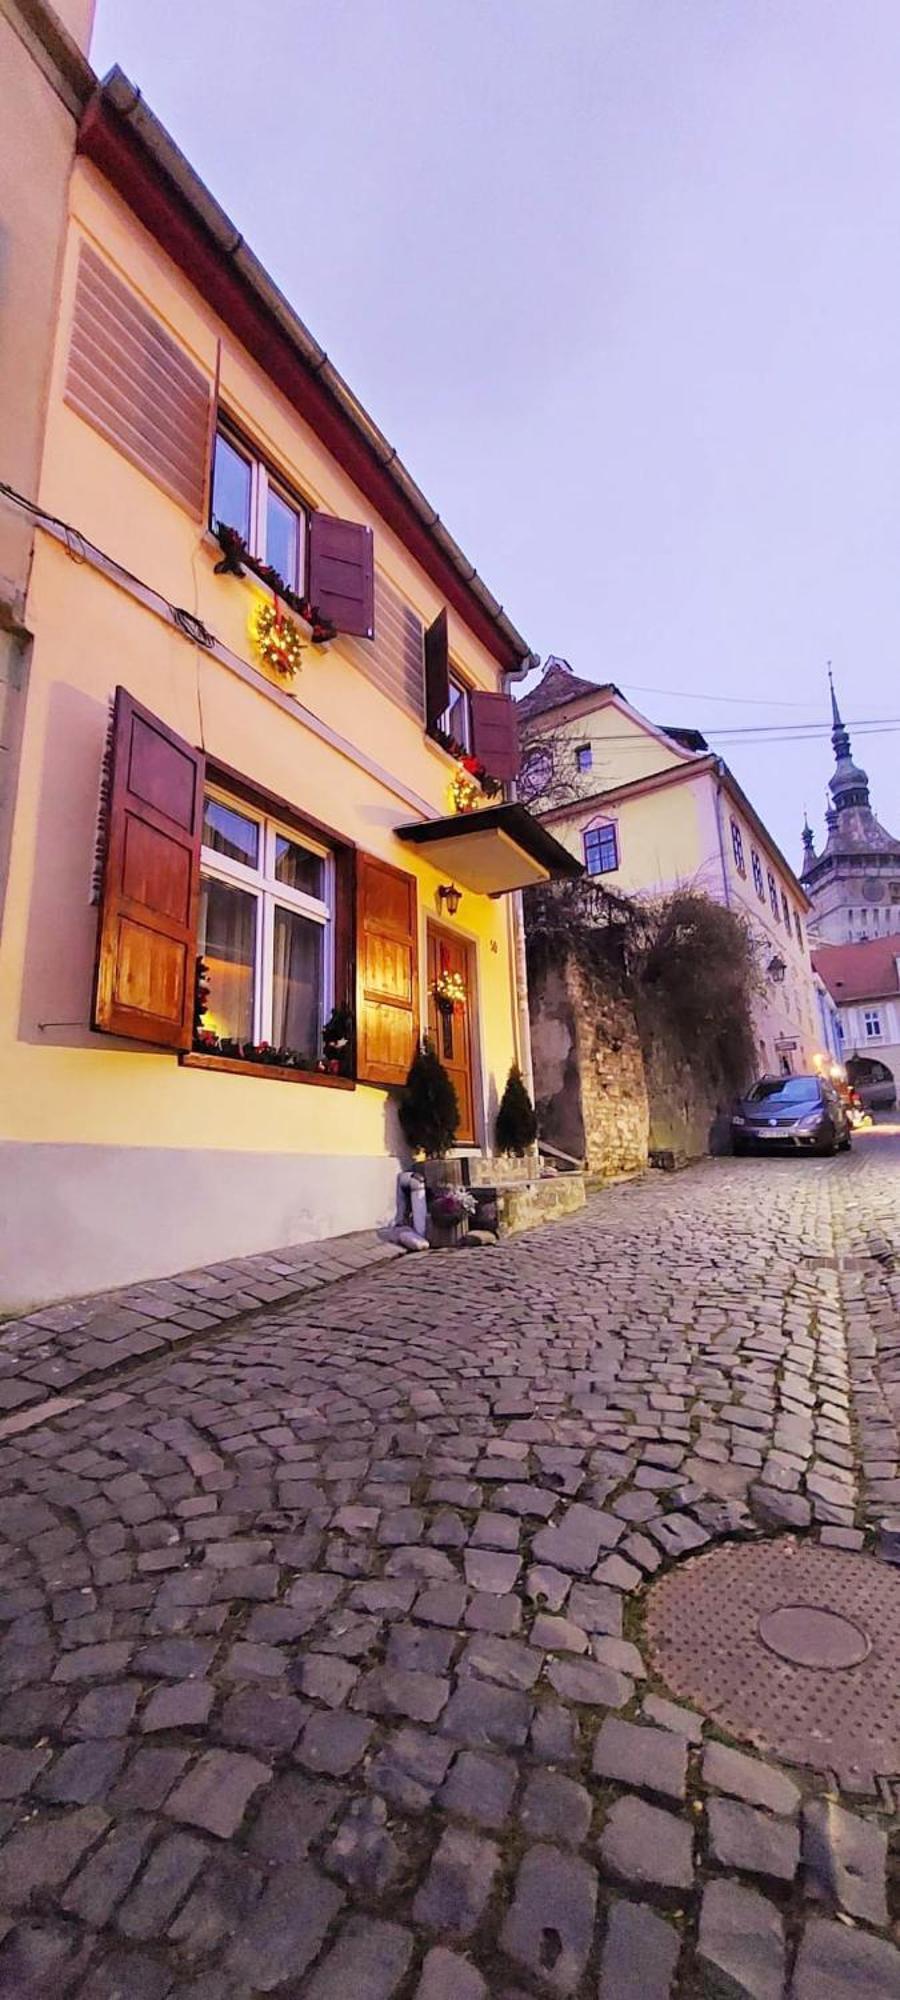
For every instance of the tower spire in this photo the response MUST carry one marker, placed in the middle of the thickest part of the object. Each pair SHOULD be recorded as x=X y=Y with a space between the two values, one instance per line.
x=839 y=735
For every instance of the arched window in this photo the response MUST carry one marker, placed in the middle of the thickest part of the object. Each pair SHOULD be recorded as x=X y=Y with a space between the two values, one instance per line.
x=601 y=847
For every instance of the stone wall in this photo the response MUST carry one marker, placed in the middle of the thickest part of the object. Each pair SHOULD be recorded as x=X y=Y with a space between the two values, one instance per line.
x=590 y=1087
x=613 y=1083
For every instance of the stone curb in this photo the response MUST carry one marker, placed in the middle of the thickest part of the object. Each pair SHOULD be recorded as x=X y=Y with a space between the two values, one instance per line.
x=73 y=1346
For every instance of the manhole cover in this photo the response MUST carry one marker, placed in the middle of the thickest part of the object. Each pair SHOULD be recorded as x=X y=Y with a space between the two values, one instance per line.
x=790 y=1646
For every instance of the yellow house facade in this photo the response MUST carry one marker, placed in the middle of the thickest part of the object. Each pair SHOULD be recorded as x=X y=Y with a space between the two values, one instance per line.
x=648 y=811
x=256 y=658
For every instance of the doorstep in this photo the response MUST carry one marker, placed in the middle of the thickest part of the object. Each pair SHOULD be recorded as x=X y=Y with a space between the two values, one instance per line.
x=525 y=1204
x=49 y=1356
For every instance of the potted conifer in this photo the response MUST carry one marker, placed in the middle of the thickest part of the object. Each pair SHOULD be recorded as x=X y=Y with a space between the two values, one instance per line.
x=516 y=1126
x=429 y=1117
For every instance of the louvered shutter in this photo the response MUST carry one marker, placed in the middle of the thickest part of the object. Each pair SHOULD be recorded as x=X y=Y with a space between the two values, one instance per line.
x=387 y=971
x=132 y=382
x=437 y=672
x=495 y=734
x=147 y=938
x=342 y=574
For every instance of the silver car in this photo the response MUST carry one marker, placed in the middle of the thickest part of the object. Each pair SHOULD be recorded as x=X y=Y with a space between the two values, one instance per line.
x=788 y=1112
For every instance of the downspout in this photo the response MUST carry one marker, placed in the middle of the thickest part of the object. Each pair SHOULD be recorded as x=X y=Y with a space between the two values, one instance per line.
x=722 y=850
x=519 y=959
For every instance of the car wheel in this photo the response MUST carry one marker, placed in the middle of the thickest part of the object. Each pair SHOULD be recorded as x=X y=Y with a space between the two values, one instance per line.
x=828 y=1147
x=846 y=1143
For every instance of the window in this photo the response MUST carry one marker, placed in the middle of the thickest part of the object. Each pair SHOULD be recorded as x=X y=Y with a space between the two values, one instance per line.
x=786 y=912
x=584 y=757
x=601 y=849
x=247 y=496
x=872 y=1024
x=798 y=928
x=265 y=929
x=737 y=846
x=456 y=720
x=773 y=895
x=758 y=884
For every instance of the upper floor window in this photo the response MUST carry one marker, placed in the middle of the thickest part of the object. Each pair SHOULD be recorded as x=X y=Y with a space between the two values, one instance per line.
x=773 y=894
x=601 y=848
x=737 y=846
x=247 y=496
x=798 y=928
x=456 y=720
x=584 y=757
x=265 y=931
x=786 y=912
x=756 y=865
x=872 y=1024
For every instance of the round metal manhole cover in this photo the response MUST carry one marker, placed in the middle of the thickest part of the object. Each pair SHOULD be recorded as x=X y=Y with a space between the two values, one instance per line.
x=789 y=1646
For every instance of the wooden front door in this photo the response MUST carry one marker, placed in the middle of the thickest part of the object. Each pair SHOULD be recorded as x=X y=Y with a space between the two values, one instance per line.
x=451 y=1032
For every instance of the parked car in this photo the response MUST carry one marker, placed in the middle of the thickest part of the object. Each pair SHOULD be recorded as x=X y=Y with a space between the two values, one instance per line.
x=791 y=1111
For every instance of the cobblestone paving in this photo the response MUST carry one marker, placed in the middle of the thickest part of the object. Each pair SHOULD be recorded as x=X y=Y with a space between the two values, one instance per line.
x=322 y=1667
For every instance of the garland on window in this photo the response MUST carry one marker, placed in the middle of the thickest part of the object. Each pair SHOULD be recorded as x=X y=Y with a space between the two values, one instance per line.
x=336 y=1039
x=236 y=560
x=276 y=638
x=471 y=784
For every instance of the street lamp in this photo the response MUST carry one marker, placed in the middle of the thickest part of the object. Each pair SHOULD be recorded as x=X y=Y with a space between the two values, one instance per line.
x=776 y=970
x=450 y=897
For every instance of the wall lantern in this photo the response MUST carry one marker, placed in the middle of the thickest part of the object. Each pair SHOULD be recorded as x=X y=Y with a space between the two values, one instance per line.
x=776 y=970
x=449 y=898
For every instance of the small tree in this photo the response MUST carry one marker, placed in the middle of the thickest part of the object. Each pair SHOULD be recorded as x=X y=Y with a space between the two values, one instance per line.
x=429 y=1107
x=516 y=1127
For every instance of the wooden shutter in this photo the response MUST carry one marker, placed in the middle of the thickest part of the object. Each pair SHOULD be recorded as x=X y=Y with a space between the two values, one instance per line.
x=132 y=382
x=387 y=971
x=437 y=672
x=147 y=937
x=342 y=574
x=495 y=733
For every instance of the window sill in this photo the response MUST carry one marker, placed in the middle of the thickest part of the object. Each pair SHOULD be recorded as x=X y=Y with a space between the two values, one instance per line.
x=231 y=1066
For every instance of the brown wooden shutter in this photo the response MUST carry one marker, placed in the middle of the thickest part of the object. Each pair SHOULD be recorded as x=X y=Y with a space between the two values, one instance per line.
x=342 y=574
x=147 y=937
x=495 y=733
x=437 y=672
x=387 y=971
x=132 y=382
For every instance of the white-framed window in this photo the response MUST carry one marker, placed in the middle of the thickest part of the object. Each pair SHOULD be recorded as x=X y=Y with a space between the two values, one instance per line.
x=249 y=496
x=584 y=757
x=266 y=927
x=456 y=720
x=757 y=875
x=601 y=848
x=872 y=1024
x=737 y=848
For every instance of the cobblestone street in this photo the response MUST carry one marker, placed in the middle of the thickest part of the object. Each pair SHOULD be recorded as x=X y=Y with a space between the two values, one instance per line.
x=330 y=1665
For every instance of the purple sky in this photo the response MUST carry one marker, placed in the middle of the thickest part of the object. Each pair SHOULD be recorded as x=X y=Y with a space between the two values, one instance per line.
x=620 y=280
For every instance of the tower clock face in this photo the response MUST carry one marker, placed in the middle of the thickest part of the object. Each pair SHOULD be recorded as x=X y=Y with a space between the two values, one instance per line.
x=871 y=889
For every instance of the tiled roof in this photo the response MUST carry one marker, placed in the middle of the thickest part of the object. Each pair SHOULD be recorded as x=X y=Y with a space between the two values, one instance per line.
x=557 y=686
x=865 y=971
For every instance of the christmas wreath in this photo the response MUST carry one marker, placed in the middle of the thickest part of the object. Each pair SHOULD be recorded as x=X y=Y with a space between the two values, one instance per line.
x=276 y=638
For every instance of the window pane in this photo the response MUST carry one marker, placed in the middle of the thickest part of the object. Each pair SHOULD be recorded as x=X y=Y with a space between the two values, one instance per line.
x=230 y=832
x=297 y=868
x=282 y=538
x=231 y=488
x=228 y=949
x=297 y=983
x=455 y=719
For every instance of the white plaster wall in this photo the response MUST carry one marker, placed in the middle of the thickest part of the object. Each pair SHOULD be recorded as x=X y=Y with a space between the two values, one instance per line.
x=80 y=1219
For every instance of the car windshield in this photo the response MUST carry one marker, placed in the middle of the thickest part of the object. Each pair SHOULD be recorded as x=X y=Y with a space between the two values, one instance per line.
x=785 y=1090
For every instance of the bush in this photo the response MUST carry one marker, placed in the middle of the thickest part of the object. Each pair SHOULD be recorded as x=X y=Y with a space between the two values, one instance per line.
x=429 y=1108
x=516 y=1127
